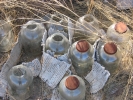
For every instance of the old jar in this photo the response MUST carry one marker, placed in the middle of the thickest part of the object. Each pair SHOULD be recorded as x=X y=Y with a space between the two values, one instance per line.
x=56 y=20
x=81 y=53
x=108 y=55
x=7 y=37
x=88 y=26
x=31 y=37
x=120 y=33
x=72 y=88
x=57 y=43
x=56 y=23
x=20 y=81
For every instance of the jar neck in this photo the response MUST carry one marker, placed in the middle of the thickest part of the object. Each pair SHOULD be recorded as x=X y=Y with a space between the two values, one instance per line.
x=89 y=51
x=19 y=73
x=90 y=22
x=107 y=57
x=32 y=30
x=58 y=39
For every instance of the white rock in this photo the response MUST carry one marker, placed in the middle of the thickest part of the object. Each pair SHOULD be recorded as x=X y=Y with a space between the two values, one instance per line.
x=124 y=4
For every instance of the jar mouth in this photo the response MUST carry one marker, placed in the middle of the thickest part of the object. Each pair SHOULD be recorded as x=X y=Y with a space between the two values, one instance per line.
x=57 y=38
x=72 y=83
x=88 y=18
x=19 y=72
x=32 y=26
x=57 y=19
x=121 y=27
x=110 y=48
x=82 y=46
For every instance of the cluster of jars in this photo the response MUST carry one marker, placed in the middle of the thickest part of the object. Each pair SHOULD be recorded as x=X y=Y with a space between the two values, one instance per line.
x=80 y=52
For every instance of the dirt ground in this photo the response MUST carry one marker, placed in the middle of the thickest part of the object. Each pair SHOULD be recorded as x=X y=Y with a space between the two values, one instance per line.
x=119 y=85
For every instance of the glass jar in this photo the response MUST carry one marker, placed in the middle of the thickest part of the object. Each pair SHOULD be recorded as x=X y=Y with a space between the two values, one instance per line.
x=81 y=53
x=120 y=33
x=57 y=23
x=72 y=88
x=57 y=20
x=7 y=38
x=57 y=43
x=20 y=81
x=108 y=56
x=87 y=25
x=31 y=37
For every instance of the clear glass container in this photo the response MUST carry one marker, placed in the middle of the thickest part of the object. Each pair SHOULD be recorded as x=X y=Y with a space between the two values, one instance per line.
x=57 y=43
x=20 y=82
x=57 y=20
x=108 y=55
x=119 y=32
x=72 y=88
x=31 y=37
x=57 y=23
x=81 y=53
x=7 y=37
x=88 y=25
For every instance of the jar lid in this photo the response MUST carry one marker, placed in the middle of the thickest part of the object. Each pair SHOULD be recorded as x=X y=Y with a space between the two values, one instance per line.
x=110 y=48
x=72 y=83
x=121 y=27
x=82 y=46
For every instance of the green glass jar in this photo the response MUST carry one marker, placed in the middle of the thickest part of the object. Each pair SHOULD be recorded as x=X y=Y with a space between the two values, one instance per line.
x=120 y=33
x=108 y=55
x=20 y=80
x=81 y=53
x=57 y=43
x=72 y=88
x=87 y=27
x=7 y=37
x=31 y=37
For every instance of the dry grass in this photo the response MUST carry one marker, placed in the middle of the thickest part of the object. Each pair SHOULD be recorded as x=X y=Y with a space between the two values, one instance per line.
x=18 y=12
